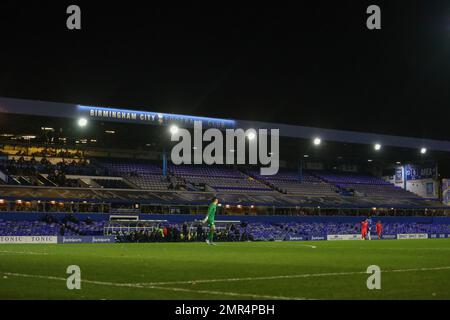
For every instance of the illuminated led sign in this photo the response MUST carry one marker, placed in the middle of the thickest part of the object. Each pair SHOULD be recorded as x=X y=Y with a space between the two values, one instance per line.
x=111 y=114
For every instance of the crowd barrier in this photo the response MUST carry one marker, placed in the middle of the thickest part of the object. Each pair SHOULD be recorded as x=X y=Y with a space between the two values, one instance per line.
x=56 y=239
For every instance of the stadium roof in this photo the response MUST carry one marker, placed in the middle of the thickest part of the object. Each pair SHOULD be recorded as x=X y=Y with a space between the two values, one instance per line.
x=65 y=110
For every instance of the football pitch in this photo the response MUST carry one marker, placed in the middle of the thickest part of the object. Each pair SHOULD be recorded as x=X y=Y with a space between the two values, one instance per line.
x=410 y=269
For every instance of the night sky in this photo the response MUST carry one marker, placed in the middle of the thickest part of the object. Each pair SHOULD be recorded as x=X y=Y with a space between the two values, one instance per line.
x=312 y=64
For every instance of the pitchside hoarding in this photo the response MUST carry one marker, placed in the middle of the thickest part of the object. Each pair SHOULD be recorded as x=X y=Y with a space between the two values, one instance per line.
x=29 y=240
x=438 y=236
x=55 y=239
x=112 y=239
x=344 y=237
x=407 y=236
x=86 y=239
x=308 y=238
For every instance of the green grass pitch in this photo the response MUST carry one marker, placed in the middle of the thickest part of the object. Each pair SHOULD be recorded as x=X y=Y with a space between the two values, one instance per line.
x=411 y=269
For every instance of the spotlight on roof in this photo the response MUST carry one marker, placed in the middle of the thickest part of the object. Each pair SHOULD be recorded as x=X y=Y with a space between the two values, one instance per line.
x=317 y=141
x=370 y=160
x=423 y=150
x=251 y=135
x=174 y=129
x=82 y=122
x=377 y=147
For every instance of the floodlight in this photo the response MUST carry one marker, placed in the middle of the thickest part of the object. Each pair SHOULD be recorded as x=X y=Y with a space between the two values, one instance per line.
x=317 y=141
x=173 y=129
x=82 y=122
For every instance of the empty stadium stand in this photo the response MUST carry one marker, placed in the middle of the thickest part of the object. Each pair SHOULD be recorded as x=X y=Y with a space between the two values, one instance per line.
x=143 y=181
x=365 y=185
x=145 y=175
x=219 y=178
x=291 y=182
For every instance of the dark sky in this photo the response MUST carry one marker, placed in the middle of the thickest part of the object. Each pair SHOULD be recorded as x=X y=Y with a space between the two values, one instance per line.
x=311 y=64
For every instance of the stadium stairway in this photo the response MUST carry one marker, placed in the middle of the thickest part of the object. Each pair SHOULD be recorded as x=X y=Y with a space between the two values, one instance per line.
x=130 y=183
x=46 y=182
x=247 y=173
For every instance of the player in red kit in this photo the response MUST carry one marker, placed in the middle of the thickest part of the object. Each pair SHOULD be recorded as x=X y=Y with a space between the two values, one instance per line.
x=379 y=229
x=364 y=226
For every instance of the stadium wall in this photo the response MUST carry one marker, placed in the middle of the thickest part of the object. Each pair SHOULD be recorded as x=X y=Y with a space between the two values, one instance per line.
x=446 y=191
x=425 y=188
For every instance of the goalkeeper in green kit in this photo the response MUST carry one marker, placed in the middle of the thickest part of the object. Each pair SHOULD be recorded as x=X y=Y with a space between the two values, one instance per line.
x=210 y=218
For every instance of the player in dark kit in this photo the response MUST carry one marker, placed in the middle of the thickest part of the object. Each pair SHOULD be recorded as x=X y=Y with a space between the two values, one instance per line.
x=369 y=227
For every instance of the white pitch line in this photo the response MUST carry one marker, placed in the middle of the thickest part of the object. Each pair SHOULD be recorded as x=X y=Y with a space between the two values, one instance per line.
x=254 y=278
x=410 y=248
x=156 y=285
x=294 y=276
x=374 y=248
x=140 y=286
x=22 y=252
x=230 y=294
x=274 y=247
